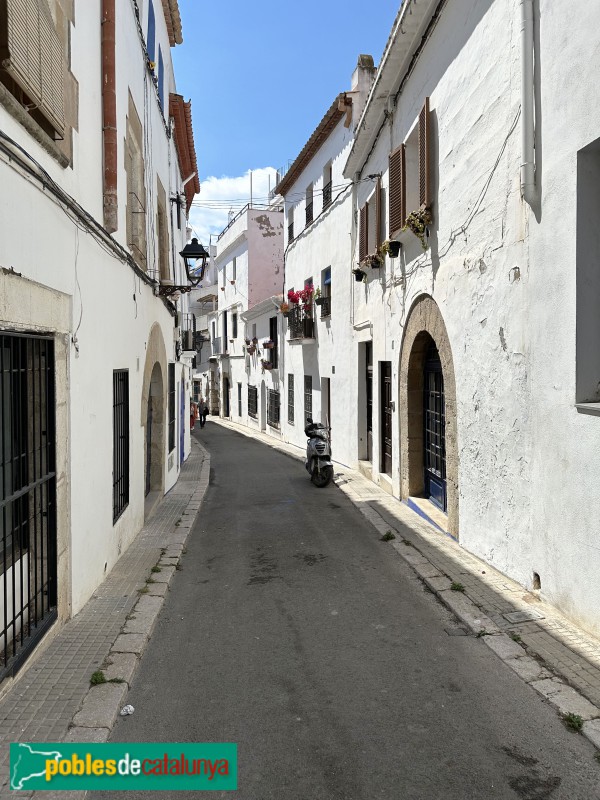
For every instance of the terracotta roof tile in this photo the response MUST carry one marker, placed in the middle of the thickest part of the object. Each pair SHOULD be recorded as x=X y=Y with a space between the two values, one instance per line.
x=184 y=142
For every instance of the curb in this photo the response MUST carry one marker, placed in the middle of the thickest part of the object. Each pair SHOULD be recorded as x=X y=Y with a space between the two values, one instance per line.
x=562 y=697
x=101 y=705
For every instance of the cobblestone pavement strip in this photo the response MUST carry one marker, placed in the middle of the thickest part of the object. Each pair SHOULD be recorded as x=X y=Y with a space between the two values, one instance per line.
x=549 y=645
x=43 y=702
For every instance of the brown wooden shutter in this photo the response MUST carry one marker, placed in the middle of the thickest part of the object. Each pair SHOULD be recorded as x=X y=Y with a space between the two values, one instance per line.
x=397 y=190
x=424 y=171
x=32 y=54
x=363 y=235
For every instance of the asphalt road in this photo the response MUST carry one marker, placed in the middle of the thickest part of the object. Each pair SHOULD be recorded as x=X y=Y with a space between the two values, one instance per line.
x=293 y=631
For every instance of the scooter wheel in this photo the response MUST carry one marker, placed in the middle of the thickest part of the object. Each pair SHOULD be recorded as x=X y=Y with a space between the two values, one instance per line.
x=322 y=478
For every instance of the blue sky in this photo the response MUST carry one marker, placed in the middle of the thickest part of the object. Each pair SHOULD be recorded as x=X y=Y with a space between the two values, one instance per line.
x=260 y=77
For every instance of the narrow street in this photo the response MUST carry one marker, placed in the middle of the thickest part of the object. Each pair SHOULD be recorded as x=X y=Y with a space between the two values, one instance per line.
x=294 y=632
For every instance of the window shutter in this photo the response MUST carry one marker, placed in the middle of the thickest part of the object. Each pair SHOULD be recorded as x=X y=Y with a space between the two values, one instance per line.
x=424 y=176
x=32 y=54
x=397 y=191
x=363 y=236
x=378 y=213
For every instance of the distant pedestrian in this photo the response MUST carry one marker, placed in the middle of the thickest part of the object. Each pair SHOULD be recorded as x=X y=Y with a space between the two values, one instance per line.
x=193 y=414
x=203 y=413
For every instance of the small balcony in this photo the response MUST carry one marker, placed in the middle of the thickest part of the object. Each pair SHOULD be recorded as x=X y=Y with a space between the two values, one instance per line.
x=301 y=325
x=325 y=306
x=309 y=213
x=215 y=346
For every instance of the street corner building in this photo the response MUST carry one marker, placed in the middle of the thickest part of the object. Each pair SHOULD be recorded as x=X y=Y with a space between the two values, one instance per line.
x=440 y=286
x=97 y=175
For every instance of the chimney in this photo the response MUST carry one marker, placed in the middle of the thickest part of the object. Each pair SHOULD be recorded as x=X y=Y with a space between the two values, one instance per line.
x=362 y=80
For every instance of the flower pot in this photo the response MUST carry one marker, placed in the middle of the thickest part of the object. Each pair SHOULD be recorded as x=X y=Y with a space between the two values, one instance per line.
x=394 y=249
x=268 y=345
x=359 y=275
x=319 y=301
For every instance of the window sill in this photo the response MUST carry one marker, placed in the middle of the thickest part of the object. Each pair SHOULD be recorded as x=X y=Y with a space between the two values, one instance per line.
x=588 y=408
x=18 y=112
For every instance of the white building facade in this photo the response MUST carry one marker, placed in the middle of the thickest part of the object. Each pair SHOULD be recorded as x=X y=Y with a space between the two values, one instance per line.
x=249 y=264
x=483 y=346
x=96 y=401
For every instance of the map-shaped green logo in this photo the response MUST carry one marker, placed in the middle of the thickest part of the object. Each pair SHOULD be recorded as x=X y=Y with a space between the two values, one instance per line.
x=27 y=762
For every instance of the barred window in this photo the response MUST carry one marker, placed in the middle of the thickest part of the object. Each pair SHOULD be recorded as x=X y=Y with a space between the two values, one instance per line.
x=252 y=402
x=291 y=399
x=120 y=442
x=273 y=409
x=307 y=397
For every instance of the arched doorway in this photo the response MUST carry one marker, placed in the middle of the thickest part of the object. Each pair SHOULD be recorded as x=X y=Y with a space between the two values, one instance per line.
x=155 y=413
x=427 y=400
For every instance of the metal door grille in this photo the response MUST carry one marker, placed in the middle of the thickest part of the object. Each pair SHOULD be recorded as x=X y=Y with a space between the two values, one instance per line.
x=435 y=430
x=386 y=416
x=307 y=397
x=291 y=399
x=27 y=496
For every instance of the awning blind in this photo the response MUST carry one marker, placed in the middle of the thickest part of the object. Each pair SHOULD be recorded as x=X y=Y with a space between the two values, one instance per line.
x=32 y=54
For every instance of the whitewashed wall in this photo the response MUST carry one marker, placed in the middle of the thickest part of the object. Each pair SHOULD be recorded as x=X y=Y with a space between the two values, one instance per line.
x=112 y=310
x=504 y=279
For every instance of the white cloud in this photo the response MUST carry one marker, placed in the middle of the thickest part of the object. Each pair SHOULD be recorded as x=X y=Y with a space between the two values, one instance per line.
x=219 y=196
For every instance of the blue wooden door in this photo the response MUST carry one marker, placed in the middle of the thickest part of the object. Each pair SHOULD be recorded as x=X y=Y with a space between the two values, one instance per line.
x=434 y=435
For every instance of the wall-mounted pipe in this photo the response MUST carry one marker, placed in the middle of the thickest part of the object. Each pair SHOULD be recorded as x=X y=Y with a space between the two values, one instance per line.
x=109 y=116
x=528 y=187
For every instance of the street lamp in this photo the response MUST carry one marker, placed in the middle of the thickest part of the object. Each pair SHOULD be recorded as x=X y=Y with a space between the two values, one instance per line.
x=193 y=251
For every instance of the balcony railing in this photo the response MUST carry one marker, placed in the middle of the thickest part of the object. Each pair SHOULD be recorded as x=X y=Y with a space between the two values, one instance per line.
x=325 y=307
x=309 y=213
x=301 y=324
x=327 y=194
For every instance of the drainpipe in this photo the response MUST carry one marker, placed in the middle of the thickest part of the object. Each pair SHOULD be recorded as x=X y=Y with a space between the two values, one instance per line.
x=527 y=104
x=109 y=116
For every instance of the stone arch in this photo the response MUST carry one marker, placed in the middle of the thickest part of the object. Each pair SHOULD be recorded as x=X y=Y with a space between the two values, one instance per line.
x=153 y=411
x=423 y=324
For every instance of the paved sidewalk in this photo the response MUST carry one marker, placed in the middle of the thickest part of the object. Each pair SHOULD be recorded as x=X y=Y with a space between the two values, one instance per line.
x=54 y=692
x=558 y=659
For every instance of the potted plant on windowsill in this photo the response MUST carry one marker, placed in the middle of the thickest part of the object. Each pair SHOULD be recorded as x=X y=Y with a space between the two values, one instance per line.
x=390 y=248
x=268 y=344
x=251 y=349
x=373 y=260
x=319 y=299
x=360 y=276
x=418 y=222
x=266 y=365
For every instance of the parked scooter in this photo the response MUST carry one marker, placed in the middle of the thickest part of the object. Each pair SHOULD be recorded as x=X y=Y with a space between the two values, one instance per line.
x=318 y=454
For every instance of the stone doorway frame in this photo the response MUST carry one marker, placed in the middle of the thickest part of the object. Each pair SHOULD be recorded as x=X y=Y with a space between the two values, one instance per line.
x=425 y=322
x=155 y=370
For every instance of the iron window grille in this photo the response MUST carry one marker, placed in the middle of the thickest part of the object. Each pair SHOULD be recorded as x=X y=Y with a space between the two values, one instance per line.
x=274 y=352
x=291 y=232
x=327 y=194
x=273 y=408
x=291 y=399
x=325 y=306
x=252 y=401
x=120 y=442
x=309 y=213
x=307 y=397
x=171 y=407
x=28 y=576
x=300 y=323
